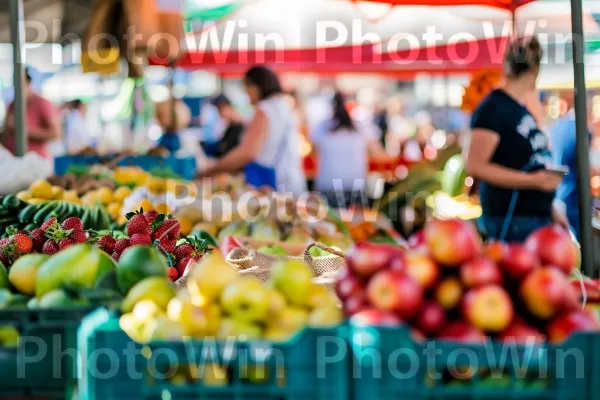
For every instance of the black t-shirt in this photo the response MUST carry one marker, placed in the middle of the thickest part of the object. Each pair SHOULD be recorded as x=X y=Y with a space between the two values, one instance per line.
x=522 y=146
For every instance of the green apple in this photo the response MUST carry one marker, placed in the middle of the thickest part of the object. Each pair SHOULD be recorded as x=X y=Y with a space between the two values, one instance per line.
x=5 y=298
x=320 y=297
x=293 y=279
x=163 y=329
x=208 y=278
x=276 y=303
x=231 y=328
x=291 y=319
x=9 y=336
x=246 y=299
x=325 y=317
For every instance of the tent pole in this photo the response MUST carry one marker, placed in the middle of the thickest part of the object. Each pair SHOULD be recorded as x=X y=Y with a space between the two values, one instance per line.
x=17 y=36
x=583 y=143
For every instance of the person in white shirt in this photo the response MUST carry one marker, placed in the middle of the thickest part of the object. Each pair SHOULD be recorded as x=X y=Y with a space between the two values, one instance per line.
x=269 y=150
x=76 y=133
x=20 y=172
x=344 y=146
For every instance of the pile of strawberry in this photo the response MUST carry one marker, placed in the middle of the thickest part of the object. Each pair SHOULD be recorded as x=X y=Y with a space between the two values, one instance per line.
x=47 y=239
x=186 y=254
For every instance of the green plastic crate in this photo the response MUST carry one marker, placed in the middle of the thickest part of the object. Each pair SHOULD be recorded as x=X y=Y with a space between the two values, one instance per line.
x=35 y=368
x=389 y=364
x=311 y=366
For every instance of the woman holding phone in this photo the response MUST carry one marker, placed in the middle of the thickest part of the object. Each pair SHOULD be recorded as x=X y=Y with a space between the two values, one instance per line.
x=510 y=155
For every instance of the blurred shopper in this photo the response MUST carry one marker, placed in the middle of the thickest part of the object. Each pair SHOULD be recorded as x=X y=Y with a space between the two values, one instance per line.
x=269 y=150
x=42 y=122
x=76 y=133
x=344 y=146
x=20 y=172
x=173 y=116
x=508 y=153
x=232 y=129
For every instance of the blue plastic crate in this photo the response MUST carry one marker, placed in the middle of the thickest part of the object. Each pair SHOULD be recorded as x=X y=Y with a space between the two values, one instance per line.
x=388 y=364
x=308 y=367
x=182 y=166
x=44 y=363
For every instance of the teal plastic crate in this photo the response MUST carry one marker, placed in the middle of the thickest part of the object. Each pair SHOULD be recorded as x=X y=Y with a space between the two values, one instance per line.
x=388 y=364
x=311 y=366
x=44 y=363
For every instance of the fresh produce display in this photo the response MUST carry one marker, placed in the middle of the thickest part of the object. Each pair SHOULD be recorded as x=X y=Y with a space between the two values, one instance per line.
x=218 y=302
x=448 y=285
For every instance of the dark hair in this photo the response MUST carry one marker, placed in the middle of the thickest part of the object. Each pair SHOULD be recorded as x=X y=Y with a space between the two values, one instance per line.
x=221 y=100
x=75 y=104
x=265 y=79
x=522 y=55
x=341 y=117
x=27 y=75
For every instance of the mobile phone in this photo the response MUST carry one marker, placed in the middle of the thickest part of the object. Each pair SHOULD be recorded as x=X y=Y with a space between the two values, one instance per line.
x=558 y=169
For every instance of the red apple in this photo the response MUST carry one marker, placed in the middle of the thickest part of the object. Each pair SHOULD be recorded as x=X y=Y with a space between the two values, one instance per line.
x=398 y=263
x=495 y=250
x=365 y=258
x=375 y=317
x=422 y=269
x=417 y=240
x=520 y=332
x=452 y=242
x=553 y=246
x=480 y=271
x=462 y=332
x=395 y=291
x=431 y=318
x=347 y=284
x=545 y=292
x=355 y=303
x=561 y=327
x=448 y=293
x=489 y=308
x=518 y=261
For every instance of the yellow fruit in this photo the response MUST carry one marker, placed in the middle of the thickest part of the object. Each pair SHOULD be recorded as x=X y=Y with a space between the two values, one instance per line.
x=114 y=209
x=320 y=297
x=163 y=208
x=213 y=375
x=41 y=189
x=129 y=175
x=105 y=195
x=122 y=219
x=23 y=273
x=162 y=328
x=57 y=192
x=145 y=204
x=132 y=326
x=325 y=317
x=25 y=195
x=146 y=310
x=36 y=201
x=192 y=317
x=186 y=226
x=121 y=193
x=206 y=227
x=156 y=185
x=71 y=196
x=209 y=277
x=192 y=213
x=155 y=288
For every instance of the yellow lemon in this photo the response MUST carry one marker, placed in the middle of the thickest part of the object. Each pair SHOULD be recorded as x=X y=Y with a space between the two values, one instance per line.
x=186 y=226
x=89 y=199
x=57 y=192
x=105 y=195
x=36 y=200
x=71 y=196
x=145 y=204
x=41 y=189
x=24 y=195
x=121 y=193
x=163 y=208
x=114 y=209
x=156 y=185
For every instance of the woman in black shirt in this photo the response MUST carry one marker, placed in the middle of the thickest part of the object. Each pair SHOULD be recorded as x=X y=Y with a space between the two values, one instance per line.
x=509 y=154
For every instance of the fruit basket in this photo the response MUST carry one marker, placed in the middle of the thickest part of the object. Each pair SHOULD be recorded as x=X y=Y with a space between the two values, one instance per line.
x=305 y=367
x=43 y=363
x=182 y=166
x=408 y=369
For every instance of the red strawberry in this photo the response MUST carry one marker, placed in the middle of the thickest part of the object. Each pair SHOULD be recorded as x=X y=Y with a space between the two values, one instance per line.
x=173 y=274
x=72 y=223
x=141 y=239
x=168 y=244
x=115 y=256
x=168 y=228
x=24 y=232
x=3 y=241
x=138 y=224
x=107 y=243
x=182 y=265
x=38 y=239
x=121 y=245
x=64 y=243
x=50 y=247
x=48 y=223
x=23 y=243
x=151 y=215
x=78 y=236
x=183 y=251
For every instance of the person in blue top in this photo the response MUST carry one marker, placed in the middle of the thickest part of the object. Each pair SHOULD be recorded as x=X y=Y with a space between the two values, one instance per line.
x=509 y=154
x=563 y=137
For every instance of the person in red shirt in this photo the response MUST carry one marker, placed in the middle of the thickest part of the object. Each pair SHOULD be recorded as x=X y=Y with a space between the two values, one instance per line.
x=42 y=122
